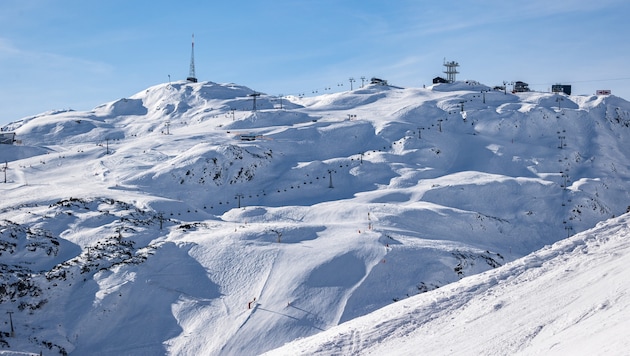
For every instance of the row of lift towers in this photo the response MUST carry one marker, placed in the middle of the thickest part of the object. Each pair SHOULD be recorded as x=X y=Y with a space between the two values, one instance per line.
x=450 y=71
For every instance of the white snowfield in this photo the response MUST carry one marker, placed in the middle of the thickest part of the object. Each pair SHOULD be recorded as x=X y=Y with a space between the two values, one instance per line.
x=570 y=298
x=178 y=221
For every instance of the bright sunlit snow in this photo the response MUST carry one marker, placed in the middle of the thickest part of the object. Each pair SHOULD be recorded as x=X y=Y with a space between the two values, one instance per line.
x=181 y=221
x=567 y=299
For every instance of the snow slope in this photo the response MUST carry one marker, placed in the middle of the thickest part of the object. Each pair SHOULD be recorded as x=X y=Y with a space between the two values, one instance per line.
x=569 y=298
x=149 y=226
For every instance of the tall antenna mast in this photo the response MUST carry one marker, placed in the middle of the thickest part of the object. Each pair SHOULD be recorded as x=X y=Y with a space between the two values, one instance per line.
x=191 y=75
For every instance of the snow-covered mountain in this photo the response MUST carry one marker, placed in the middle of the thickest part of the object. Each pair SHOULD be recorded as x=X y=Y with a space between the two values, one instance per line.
x=570 y=298
x=181 y=221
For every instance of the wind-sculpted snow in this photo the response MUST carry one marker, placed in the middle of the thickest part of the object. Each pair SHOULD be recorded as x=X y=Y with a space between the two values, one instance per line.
x=568 y=298
x=181 y=221
x=14 y=153
x=126 y=107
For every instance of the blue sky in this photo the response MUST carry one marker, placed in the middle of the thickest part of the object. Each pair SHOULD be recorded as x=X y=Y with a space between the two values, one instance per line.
x=60 y=54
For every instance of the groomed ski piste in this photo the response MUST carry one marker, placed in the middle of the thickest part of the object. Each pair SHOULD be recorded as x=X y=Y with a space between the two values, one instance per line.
x=181 y=221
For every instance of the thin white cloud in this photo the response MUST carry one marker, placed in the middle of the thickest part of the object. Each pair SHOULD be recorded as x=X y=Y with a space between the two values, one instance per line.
x=422 y=20
x=45 y=61
x=7 y=49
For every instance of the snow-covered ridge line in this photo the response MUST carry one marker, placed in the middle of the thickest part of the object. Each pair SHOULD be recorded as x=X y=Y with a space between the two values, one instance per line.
x=203 y=226
x=554 y=300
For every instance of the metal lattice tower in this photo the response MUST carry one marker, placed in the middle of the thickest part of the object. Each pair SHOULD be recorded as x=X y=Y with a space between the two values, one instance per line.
x=191 y=74
x=451 y=70
x=254 y=96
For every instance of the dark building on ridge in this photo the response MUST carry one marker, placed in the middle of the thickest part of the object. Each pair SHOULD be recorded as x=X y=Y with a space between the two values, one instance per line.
x=378 y=81
x=438 y=80
x=559 y=88
x=521 y=87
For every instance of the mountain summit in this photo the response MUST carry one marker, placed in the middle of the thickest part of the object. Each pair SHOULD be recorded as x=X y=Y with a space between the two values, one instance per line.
x=206 y=218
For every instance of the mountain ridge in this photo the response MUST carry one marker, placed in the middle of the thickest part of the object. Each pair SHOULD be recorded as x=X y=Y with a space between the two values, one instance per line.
x=322 y=208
